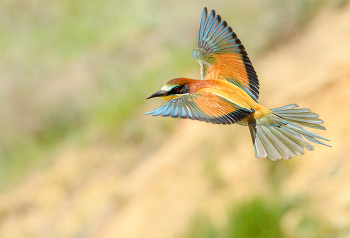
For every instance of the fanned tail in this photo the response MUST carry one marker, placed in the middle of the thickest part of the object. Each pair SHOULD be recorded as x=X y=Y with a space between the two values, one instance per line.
x=280 y=135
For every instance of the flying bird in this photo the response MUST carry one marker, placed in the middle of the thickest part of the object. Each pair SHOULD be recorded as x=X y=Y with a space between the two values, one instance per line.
x=228 y=93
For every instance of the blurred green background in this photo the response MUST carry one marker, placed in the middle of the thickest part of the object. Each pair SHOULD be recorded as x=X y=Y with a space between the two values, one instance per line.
x=74 y=78
x=71 y=66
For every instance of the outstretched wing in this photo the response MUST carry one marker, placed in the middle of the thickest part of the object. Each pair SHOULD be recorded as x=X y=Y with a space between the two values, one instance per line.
x=203 y=106
x=222 y=56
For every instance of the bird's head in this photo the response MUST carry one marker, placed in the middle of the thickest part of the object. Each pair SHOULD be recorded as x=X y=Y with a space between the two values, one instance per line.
x=172 y=89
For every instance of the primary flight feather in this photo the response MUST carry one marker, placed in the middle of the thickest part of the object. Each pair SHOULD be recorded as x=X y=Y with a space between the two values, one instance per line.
x=228 y=93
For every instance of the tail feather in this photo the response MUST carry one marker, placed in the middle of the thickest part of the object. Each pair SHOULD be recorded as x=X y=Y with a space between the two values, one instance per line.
x=268 y=145
x=280 y=135
x=297 y=119
x=308 y=124
x=258 y=147
x=296 y=138
x=286 y=107
x=280 y=150
x=293 y=144
x=298 y=129
x=302 y=116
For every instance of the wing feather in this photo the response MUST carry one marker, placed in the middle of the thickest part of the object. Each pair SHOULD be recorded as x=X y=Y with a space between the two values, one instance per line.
x=203 y=106
x=222 y=56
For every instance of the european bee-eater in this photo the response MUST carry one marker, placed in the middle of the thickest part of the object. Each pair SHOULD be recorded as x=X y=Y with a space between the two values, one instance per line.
x=228 y=93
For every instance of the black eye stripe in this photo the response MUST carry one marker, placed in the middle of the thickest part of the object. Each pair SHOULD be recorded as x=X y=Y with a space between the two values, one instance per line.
x=179 y=89
x=185 y=89
x=175 y=90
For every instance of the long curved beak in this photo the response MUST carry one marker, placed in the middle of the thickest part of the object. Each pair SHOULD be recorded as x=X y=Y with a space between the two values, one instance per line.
x=158 y=94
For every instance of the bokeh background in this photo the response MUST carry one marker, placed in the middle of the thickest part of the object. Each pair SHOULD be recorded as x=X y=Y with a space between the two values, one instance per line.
x=78 y=158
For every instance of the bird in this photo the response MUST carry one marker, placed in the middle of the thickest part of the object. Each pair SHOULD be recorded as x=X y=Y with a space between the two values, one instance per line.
x=228 y=93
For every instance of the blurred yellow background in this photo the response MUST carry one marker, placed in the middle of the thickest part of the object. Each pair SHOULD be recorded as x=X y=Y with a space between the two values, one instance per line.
x=79 y=159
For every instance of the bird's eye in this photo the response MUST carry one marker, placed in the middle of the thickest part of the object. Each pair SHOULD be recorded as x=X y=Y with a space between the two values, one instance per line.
x=178 y=89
